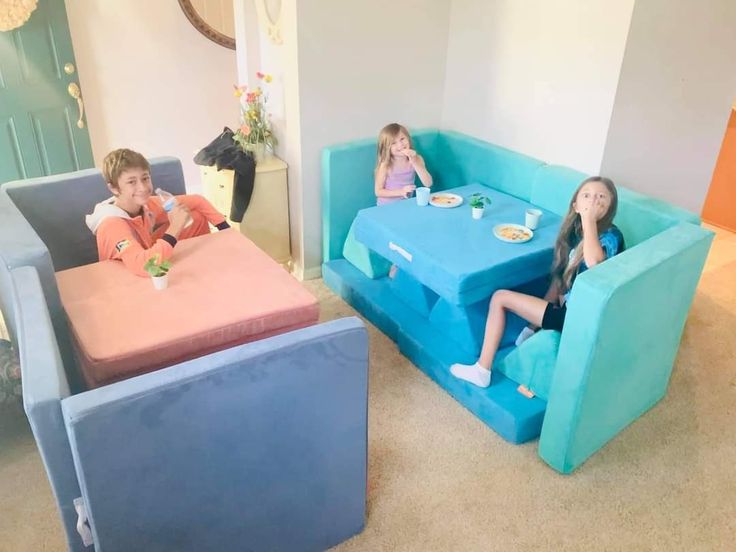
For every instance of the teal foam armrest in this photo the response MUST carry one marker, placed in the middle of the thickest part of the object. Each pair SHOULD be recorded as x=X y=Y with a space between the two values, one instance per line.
x=622 y=332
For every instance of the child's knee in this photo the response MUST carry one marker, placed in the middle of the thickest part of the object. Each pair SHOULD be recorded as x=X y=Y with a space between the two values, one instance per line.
x=499 y=298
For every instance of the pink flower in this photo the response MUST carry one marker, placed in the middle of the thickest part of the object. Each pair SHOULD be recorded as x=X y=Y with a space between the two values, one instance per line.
x=260 y=75
x=245 y=130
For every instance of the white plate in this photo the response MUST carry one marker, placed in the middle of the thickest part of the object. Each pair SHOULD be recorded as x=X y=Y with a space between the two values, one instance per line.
x=514 y=233
x=445 y=200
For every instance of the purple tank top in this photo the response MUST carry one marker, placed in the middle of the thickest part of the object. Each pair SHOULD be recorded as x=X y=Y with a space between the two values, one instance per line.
x=395 y=180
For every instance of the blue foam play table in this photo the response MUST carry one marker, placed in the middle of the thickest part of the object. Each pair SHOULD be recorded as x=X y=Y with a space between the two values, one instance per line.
x=455 y=256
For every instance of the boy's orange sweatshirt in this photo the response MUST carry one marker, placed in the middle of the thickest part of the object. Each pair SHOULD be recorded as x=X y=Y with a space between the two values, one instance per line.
x=134 y=240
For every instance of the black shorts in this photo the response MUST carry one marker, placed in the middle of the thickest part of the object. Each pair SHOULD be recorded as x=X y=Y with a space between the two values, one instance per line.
x=554 y=317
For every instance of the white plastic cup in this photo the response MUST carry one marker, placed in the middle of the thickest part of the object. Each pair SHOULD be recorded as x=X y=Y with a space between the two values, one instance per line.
x=422 y=196
x=532 y=218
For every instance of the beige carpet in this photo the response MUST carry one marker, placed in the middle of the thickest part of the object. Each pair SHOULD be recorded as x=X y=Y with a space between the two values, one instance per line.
x=440 y=480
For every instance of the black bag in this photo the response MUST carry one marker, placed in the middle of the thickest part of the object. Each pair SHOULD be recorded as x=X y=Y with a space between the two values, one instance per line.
x=226 y=154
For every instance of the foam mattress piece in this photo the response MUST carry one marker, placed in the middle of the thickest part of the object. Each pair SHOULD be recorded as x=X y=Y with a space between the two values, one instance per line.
x=454 y=255
x=223 y=291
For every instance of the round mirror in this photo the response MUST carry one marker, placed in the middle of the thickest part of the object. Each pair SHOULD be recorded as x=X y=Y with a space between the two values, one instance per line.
x=215 y=19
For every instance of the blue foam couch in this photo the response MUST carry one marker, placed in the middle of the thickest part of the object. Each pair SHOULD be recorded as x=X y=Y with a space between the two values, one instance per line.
x=613 y=360
x=259 y=447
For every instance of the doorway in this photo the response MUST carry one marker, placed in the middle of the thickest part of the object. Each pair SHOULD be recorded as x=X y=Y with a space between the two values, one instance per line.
x=719 y=208
x=44 y=128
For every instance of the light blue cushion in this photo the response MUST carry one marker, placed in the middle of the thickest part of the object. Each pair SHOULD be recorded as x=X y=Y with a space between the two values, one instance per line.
x=533 y=362
x=259 y=447
x=368 y=262
x=414 y=294
x=44 y=386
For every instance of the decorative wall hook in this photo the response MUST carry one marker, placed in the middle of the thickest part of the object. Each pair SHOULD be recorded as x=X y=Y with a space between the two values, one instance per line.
x=271 y=27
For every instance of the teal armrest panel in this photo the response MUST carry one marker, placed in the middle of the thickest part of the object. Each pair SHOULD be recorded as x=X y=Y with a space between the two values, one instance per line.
x=466 y=160
x=620 y=340
x=347 y=187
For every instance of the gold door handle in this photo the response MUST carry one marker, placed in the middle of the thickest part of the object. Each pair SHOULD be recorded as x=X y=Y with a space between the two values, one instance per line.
x=76 y=93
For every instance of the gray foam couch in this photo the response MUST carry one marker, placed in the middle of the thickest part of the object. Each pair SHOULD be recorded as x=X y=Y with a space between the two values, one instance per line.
x=259 y=447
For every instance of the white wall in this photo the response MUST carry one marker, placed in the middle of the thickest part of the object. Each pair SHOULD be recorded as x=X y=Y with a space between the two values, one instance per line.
x=150 y=80
x=345 y=70
x=362 y=65
x=536 y=76
x=673 y=103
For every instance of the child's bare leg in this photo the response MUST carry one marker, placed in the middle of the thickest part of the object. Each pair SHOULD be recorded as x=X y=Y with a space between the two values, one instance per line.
x=530 y=308
x=527 y=306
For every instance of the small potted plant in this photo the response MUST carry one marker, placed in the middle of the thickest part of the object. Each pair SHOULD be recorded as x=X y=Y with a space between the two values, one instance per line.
x=159 y=272
x=477 y=204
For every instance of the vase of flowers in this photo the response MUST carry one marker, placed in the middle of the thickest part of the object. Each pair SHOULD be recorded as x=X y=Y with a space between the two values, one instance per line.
x=255 y=134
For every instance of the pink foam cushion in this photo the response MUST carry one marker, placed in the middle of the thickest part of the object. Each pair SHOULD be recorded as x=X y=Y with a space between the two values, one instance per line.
x=223 y=291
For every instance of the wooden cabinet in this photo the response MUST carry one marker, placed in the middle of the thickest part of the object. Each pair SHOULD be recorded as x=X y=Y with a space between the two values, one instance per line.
x=266 y=221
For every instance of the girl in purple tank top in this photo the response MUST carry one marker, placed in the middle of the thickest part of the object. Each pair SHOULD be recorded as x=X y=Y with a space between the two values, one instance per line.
x=397 y=164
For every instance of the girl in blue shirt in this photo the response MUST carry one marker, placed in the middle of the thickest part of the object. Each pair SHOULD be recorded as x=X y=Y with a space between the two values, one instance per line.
x=587 y=237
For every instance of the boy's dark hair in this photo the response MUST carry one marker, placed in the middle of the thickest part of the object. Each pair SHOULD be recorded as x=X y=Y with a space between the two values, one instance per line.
x=120 y=160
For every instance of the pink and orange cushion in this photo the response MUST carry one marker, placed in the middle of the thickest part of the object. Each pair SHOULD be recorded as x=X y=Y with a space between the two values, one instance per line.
x=223 y=291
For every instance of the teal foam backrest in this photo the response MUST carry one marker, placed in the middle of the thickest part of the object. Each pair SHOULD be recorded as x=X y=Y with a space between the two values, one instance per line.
x=621 y=336
x=466 y=160
x=453 y=159
x=553 y=187
x=639 y=217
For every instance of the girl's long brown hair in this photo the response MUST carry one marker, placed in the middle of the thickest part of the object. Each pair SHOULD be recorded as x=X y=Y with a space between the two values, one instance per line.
x=571 y=236
x=385 y=138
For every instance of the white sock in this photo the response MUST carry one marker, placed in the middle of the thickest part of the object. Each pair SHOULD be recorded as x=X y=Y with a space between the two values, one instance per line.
x=474 y=373
x=525 y=334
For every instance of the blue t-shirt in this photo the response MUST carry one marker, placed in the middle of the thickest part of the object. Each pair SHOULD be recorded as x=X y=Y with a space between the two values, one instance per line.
x=612 y=243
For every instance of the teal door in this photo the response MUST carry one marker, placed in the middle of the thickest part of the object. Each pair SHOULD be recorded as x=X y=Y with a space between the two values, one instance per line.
x=42 y=128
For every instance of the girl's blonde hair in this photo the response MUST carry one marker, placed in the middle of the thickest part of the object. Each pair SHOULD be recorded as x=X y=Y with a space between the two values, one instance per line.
x=571 y=236
x=385 y=138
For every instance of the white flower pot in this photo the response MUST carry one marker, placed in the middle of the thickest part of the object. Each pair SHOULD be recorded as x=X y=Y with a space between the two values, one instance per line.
x=160 y=282
x=477 y=212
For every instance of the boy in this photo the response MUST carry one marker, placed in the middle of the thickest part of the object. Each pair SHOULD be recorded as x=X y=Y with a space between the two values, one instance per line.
x=132 y=226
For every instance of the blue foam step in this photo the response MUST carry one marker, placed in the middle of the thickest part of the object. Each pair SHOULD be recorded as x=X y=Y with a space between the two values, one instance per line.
x=513 y=416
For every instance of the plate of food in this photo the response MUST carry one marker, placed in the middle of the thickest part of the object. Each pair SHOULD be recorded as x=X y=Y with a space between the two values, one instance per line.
x=513 y=233
x=445 y=200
